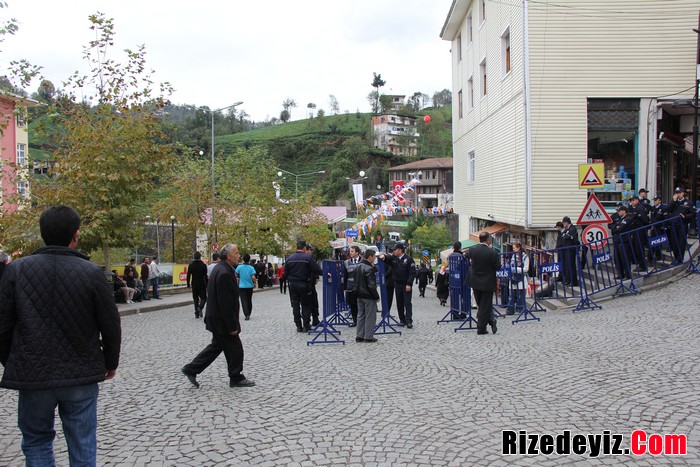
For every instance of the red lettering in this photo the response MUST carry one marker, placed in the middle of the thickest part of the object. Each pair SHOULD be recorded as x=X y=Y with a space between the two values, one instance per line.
x=656 y=444
x=676 y=445
x=639 y=438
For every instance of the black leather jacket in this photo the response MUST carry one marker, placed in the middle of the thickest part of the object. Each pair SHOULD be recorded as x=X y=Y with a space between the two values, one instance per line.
x=366 y=281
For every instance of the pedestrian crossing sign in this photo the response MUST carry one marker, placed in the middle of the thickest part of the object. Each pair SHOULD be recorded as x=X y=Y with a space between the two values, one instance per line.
x=593 y=212
x=591 y=176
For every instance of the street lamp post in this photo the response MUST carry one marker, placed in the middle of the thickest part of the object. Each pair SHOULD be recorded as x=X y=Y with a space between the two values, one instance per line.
x=415 y=190
x=148 y=218
x=213 y=190
x=296 y=178
x=172 y=231
x=694 y=165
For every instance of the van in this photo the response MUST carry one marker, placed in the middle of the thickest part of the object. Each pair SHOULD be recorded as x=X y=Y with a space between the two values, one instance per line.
x=395 y=236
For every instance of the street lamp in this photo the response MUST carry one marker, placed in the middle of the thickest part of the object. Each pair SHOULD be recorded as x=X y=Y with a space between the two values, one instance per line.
x=213 y=190
x=296 y=178
x=148 y=218
x=172 y=230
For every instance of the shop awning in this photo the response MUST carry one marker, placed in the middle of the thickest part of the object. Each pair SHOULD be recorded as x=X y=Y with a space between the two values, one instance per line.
x=491 y=230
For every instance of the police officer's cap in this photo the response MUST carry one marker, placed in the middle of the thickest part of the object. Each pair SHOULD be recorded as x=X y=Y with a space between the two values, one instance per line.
x=618 y=205
x=678 y=190
x=656 y=197
x=635 y=197
x=643 y=190
x=623 y=208
x=400 y=246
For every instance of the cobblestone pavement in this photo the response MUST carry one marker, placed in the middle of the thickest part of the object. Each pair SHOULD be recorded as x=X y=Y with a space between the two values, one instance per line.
x=429 y=396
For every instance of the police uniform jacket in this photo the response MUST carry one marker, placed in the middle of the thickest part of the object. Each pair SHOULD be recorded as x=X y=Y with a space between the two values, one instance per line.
x=626 y=224
x=659 y=213
x=641 y=212
x=570 y=236
x=403 y=269
x=301 y=267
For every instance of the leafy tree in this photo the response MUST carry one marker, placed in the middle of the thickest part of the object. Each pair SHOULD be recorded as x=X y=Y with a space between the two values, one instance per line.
x=377 y=82
x=416 y=221
x=442 y=98
x=385 y=103
x=333 y=104
x=287 y=105
x=284 y=116
x=311 y=106
x=433 y=238
x=415 y=102
x=436 y=135
x=112 y=147
x=46 y=91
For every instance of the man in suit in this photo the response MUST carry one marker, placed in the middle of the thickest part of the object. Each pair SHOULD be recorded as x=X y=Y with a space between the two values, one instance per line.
x=482 y=279
x=222 y=320
x=197 y=279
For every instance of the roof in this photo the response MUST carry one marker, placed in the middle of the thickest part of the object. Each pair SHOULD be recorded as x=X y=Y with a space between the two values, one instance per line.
x=434 y=163
x=19 y=100
x=491 y=229
x=333 y=213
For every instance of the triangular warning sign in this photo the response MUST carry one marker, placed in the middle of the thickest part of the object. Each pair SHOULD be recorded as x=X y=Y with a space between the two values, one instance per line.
x=591 y=179
x=593 y=212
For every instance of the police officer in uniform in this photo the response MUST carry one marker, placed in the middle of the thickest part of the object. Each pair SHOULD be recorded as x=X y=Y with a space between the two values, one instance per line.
x=640 y=240
x=570 y=239
x=349 y=266
x=626 y=222
x=404 y=274
x=300 y=271
x=657 y=213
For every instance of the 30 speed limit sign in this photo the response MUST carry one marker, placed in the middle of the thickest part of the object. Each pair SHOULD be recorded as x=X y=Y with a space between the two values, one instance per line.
x=595 y=236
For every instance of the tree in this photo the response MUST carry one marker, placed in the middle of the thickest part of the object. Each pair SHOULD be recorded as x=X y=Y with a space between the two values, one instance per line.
x=287 y=104
x=433 y=238
x=333 y=104
x=385 y=103
x=377 y=83
x=311 y=106
x=416 y=221
x=416 y=101
x=442 y=98
x=112 y=148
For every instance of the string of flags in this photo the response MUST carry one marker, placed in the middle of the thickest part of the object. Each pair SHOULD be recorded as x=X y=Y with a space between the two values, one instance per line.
x=389 y=205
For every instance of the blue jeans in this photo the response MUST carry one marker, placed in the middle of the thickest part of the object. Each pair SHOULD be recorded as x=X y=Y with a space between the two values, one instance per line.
x=154 y=292
x=517 y=301
x=77 y=407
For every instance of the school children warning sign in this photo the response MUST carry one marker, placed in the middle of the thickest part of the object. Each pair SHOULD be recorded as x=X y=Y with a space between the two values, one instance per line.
x=591 y=176
x=593 y=212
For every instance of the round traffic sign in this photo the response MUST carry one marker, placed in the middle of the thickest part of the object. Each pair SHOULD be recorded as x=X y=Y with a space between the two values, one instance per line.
x=215 y=247
x=595 y=236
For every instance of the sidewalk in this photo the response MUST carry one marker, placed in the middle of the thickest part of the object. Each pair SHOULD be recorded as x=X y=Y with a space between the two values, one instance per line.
x=172 y=297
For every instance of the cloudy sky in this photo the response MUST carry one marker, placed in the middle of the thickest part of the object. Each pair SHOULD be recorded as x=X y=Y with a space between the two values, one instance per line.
x=219 y=52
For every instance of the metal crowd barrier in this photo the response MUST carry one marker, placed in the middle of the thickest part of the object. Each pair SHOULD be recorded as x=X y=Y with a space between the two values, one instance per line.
x=325 y=332
x=387 y=324
x=513 y=284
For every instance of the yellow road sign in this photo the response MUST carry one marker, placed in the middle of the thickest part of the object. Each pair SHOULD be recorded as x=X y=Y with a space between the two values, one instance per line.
x=591 y=176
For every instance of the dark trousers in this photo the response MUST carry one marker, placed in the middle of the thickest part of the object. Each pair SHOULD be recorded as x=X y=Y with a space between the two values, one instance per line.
x=421 y=288
x=283 y=285
x=352 y=301
x=403 y=304
x=231 y=346
x=314 y=306
x=302 y=302
x=199 y=296
x=570 y=266
x=246 y=300
x=389 y=296
x=484 y=315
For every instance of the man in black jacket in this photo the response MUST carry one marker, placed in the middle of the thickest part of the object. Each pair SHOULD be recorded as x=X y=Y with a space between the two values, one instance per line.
x=222 y=320
x=403 y=270
x=59 y=337
x=300 y=270
x=349 y=266
x=569 y=252
x=365 y=289
x=482 y=279
x=197 y=278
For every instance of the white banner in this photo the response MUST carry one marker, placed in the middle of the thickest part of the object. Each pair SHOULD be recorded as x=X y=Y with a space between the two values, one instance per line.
x=357 y=191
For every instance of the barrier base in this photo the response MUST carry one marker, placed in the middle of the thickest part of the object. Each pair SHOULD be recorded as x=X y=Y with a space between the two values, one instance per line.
x=387 y=325
x=525 y=315
x=586 y=303
x=693 y=267
x=339 y=319
x=452 y=312
x=469 y=323
x=496 y=312
x=625 y=289
x=536 y=307
x=325 y=334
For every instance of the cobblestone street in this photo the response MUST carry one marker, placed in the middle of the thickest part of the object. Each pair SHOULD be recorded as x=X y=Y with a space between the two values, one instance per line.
x=429 y=396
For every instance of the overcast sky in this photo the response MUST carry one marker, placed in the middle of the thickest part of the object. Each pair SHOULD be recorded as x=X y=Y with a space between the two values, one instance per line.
x=219 y=52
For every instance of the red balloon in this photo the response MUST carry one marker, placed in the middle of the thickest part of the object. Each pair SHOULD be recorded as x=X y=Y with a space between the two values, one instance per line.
x=426 y=119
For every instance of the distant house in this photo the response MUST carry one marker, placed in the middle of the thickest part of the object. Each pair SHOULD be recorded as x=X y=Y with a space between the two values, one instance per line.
x=435 y=188
x=395 y=133
x=14 y=151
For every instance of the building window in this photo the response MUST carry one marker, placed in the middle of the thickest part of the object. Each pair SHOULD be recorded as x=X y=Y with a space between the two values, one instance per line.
x=471 y=166
x=22 y=190
x=470 y=94
x=482 y=12
x=459 y=48
x=505 y=53
x=469 y=29
x=482 y=73
x=21 y=154
x=459 y=103
x=21 y=117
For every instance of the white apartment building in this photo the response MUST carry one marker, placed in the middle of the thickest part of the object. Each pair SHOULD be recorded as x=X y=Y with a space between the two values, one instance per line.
x=539 y=88
x=395 y=133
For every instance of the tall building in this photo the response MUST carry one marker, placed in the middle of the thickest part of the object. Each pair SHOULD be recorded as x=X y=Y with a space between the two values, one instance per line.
x=14 y=151
x=395 y=133
x=541 y=87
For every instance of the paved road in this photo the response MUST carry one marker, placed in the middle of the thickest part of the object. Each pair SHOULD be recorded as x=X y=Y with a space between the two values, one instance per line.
x=430 y=396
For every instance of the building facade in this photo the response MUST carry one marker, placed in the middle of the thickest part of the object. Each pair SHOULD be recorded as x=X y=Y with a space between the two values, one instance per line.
x=395 y=133
x=541 y=88
x=435 y=188
x=14 y=151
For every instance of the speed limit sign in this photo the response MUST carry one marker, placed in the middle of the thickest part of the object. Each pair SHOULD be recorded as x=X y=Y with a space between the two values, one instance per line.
x=595 y=236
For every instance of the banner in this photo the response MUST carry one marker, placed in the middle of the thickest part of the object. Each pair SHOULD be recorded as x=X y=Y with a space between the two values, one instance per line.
x=357 y=191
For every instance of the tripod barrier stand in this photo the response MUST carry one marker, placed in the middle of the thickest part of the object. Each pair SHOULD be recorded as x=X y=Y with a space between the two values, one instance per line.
x=325 y=332
x=456 y=278
x=387 y=324
x=460 y=285
x=517 y=283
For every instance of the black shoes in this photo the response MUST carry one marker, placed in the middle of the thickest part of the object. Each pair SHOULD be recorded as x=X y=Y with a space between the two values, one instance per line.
x=371 y=339
x=300 y=329
x=352 y=325
x=315 y=323
x=192 y=378
x=409 y=325
x=359 y=339
x=494 y=326
x=482 y=332
x=242 y=383
x=247 y=318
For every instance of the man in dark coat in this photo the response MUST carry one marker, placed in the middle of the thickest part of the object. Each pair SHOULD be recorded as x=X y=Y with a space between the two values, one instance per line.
x=59 y=337
x=569 y=252
x=197 y=279
x=403 y=270
x=482 y=279
x=222 y=320
x=145 y=272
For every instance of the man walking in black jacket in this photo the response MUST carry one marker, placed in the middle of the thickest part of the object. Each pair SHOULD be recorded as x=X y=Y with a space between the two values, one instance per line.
x=365 y=289
x=222 y=320
x=59 y=337
x=197 y=279
x=482 y=279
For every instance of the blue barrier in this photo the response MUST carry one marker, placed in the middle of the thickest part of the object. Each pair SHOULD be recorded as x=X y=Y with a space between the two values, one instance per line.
x=513 y=282
x=387 y=324
x=332 y=279
x=339 y=312
x=460 y=294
